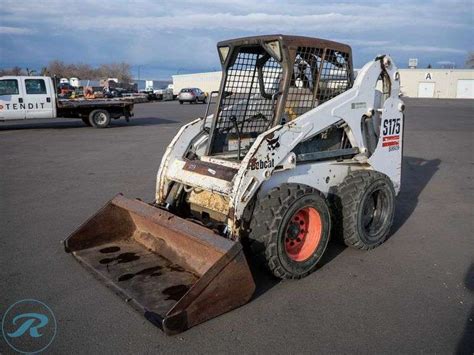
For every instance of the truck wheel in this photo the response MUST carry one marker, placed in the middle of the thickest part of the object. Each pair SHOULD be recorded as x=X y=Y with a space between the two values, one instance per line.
x=290 y=230
x=180 y=102
x=99 y=118
x=86 y=121
x=364 y=207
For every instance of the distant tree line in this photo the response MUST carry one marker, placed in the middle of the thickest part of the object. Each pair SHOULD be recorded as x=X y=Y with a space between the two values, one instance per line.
x=121 y=71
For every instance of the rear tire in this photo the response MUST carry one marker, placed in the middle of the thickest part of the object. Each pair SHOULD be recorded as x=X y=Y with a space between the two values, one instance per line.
x=290 y=230
x=180 y=102
x=364 y=208
x=99 y=118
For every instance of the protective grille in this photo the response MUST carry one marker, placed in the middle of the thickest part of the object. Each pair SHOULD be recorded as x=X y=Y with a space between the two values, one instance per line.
x=247 y=106
x=335 y=75
x=331 y=76
x=248 y=101
x=301 y=93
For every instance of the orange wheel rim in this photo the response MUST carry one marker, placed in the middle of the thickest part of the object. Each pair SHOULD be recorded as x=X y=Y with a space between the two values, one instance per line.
x=303 y=234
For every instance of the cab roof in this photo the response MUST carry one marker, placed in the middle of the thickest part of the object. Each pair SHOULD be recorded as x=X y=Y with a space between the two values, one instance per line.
x=287 y=41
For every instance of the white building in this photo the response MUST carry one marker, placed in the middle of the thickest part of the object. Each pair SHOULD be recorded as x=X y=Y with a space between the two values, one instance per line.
x=207 y=82
x=436 y=83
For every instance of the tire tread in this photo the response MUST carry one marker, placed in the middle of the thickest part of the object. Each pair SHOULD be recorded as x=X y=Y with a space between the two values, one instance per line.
x=263 y=237
x=349 y=193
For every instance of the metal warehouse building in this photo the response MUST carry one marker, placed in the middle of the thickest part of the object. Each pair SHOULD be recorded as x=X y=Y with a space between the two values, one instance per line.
x=435 y=83
x=438 y=83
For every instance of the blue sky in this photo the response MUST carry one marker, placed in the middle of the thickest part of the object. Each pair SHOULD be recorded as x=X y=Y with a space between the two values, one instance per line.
x=169 y=37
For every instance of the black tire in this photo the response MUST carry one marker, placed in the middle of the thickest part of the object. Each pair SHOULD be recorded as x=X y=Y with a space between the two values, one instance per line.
x=180 y=102
x=99 y=118
x=363 y=209
x=270 y=226
x=86 y=121
x=204 y=101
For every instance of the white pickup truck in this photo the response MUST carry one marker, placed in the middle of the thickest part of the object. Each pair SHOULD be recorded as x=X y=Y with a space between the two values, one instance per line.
x=28 y=97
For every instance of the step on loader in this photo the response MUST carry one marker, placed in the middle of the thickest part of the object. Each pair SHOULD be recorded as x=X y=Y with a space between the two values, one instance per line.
x=297 y=150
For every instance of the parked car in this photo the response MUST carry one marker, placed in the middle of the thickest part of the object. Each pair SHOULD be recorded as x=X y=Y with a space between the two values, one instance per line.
x=191 y=95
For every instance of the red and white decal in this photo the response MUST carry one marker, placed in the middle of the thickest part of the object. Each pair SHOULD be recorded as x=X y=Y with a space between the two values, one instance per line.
x=391 y=134
x=389 y=141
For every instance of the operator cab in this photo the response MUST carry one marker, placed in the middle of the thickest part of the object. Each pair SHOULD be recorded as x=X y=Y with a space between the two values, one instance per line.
x=271 y=80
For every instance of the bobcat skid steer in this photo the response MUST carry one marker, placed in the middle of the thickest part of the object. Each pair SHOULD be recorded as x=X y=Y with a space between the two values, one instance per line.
x=296 y=150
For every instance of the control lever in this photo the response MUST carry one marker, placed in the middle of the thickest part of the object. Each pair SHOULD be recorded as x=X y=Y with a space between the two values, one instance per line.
x=233 y=119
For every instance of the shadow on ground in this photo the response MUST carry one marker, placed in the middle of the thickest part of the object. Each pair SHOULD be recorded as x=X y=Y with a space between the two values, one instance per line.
x=416 y=174
x=77 y=123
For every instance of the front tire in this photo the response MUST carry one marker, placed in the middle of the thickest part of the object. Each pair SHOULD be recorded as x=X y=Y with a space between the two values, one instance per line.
x=364 y=208
x=99 y=118
x=290 y=230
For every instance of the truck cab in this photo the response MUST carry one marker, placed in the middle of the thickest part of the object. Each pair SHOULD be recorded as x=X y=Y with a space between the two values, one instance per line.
x=26 y=97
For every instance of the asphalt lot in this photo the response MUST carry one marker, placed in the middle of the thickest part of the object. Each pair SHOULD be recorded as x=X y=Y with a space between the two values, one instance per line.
x=413 y=294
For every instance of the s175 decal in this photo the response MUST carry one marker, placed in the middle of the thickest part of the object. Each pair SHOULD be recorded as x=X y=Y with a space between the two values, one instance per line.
x=391 y=126
x=391 y=134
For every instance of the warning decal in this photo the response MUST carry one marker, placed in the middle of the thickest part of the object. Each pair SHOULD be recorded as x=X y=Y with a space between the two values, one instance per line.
x=391 y=134
x=389 y=141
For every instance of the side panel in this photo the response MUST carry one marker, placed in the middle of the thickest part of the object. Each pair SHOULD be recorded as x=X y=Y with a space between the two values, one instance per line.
x=175 y=151
x=322 y=176
x=387 y=158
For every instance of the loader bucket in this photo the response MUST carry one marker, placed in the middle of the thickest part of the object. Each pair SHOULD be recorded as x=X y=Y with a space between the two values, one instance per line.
x=176 y=272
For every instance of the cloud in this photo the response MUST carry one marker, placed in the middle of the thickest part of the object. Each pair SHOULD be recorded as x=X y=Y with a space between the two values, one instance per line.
x=444 y=62
x=424 y=49
x=336 y=22
x=166 y=37
x=15 y=30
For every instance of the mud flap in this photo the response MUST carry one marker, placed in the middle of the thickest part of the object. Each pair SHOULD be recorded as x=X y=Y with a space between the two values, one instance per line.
x=176 y=272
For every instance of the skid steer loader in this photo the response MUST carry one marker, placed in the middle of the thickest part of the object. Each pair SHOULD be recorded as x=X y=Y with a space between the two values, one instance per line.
x=296 y=150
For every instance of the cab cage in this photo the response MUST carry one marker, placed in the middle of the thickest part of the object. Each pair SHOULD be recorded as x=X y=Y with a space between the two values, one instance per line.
x=270 y=80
